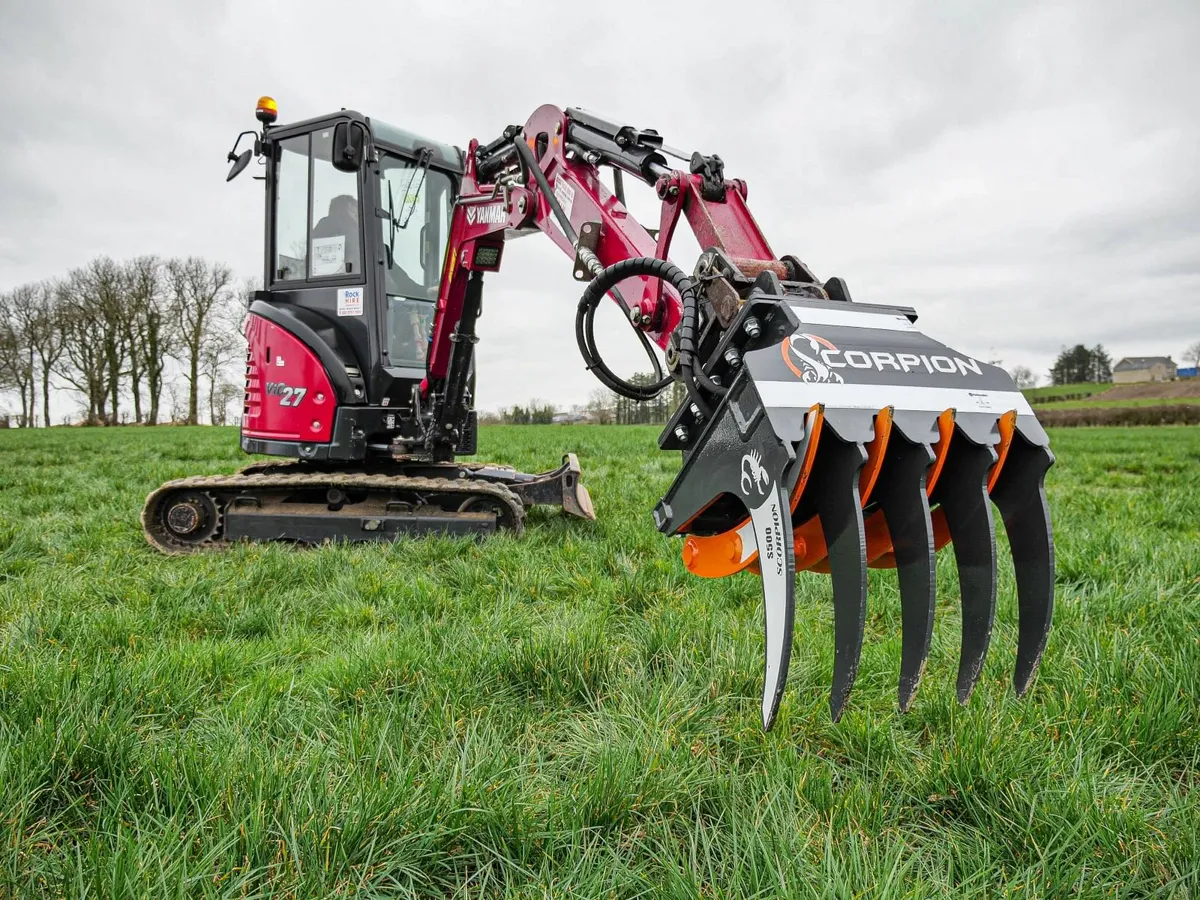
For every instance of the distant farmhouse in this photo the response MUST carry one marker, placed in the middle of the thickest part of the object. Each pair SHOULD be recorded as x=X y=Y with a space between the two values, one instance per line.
x=1133 y=369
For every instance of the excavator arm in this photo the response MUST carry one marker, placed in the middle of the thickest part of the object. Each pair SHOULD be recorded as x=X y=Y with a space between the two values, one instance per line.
x=545 y=176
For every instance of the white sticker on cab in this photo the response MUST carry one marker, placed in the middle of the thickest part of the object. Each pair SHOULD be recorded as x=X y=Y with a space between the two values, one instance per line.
x=350 y=301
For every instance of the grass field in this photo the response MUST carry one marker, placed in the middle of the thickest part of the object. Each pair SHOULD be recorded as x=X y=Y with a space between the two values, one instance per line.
x=569 y=713
x=1092 y=396
x=1100 y=402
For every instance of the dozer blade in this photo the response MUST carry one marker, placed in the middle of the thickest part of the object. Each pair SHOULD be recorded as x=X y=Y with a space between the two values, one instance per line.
x=558 y=487
x=886 y=445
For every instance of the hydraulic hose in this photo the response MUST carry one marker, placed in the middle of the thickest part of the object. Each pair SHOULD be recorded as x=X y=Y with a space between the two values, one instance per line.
x=691 y=372
x=586 y=338
x=606 y=280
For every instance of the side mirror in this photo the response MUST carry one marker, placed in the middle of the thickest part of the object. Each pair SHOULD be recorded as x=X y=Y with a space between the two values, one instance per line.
x=348 y=149
x=239 y=163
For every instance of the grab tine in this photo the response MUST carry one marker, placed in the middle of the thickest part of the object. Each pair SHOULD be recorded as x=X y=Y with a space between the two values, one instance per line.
x=1020 y=495
x=834 y=489
x=902 y=497
x=962 y=493
x=777 y=560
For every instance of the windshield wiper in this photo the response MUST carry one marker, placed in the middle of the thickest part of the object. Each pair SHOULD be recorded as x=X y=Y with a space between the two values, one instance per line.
x=423 y=159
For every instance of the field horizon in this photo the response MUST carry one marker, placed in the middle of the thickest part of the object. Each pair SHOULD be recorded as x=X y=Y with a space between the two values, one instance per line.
x=568 y=712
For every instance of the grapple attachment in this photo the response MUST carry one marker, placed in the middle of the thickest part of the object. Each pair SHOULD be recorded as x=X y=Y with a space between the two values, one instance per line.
x=849 y=440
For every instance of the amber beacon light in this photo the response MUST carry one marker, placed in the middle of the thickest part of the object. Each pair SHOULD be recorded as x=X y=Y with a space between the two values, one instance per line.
x=267 y=111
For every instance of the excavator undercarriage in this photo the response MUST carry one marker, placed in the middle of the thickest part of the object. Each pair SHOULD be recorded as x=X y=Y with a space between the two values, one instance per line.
x=309 y=503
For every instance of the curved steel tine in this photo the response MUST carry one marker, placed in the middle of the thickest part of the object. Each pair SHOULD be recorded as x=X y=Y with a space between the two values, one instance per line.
x=1020 y=495
x=962 y=492
x=771 y=521
x=901 y=495
x=834 y=491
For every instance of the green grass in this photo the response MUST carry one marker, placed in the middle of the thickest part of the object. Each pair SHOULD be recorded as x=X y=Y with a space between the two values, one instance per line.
x=1091 y=396
x=1115 y=404
x=569 y=713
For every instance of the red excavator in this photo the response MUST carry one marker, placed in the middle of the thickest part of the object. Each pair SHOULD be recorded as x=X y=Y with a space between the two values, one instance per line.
x=816 y=433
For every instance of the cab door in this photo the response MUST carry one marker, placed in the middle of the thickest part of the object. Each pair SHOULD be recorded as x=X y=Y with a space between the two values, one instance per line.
x=319 y=223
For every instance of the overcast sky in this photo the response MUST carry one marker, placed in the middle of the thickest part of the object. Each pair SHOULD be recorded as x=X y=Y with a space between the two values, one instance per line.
x=1025 y=175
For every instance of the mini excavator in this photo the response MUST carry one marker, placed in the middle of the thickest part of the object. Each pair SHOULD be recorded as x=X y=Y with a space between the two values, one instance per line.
x=816 y=433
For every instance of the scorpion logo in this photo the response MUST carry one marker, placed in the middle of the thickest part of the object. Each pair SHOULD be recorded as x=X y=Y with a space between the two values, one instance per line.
x=754 y=475
x=812 y=368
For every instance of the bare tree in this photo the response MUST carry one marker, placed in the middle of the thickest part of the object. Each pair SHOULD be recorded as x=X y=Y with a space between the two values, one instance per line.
x=46 y=335
x=95 y=322
x=251 y=286
x=152 y=332
x=1192 y=355
x=200 y=299
x=1024 y=377
x=109 y=302
x=226 y=393
x=216 y=355
x=95 y=336
x=6 y=380
x=17 y=352
x=600 y=406
x=82 y=363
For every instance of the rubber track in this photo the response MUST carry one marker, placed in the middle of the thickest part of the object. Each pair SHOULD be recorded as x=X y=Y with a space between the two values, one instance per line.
x=251 y=482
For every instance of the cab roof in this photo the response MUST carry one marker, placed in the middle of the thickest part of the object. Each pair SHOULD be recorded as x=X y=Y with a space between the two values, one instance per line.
x=444 y=155
x=388 y=137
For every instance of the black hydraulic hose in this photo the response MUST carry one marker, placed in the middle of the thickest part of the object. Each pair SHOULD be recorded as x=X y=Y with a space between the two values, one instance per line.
x=585 y=337
x=617 y=384
x=544 y=186
x=692 y=374
x=619 y=185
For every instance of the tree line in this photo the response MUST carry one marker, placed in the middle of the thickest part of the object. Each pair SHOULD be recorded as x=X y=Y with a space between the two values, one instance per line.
x=1080 y=364
x=533 y=413
x=110 y=330
x=604 y=407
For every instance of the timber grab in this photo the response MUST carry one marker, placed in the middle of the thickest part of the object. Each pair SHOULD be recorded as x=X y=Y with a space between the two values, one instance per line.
x=817 y=434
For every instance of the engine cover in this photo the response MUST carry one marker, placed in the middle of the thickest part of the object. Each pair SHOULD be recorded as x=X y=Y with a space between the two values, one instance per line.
x=288 y=393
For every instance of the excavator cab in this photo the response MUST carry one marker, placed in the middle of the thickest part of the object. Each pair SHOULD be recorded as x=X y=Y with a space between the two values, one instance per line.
x=357 y=222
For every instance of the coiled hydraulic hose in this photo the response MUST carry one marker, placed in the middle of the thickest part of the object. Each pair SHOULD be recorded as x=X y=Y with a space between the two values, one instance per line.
x=585 y=337
x=606 y=280
x=690 y=370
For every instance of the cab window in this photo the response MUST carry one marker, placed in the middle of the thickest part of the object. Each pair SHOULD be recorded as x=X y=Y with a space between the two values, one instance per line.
x=291 y=209
x=336 y=247
x=317 y=229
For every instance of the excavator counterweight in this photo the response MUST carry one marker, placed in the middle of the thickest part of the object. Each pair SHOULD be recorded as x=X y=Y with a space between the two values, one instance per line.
x=817 y=434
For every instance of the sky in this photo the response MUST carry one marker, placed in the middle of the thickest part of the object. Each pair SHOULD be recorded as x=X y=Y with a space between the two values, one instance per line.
x=1023 y=174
